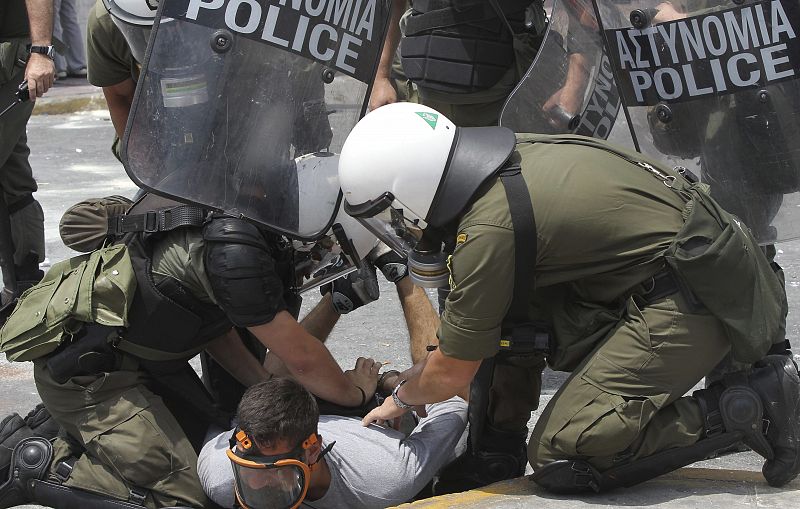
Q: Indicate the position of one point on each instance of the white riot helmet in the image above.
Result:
(345, 245)
(405, 170)
(134, 18)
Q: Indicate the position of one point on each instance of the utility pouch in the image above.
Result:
(13, 57)
(716, 256)
(97, 287)
(90, 351)
(526, 339)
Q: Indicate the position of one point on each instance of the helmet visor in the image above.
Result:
(392, 226)
(265, 484)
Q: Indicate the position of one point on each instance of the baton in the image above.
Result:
(22, 96)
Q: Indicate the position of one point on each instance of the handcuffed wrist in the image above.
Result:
(382, 379)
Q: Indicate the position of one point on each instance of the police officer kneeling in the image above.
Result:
(107, 331)
(641, 282)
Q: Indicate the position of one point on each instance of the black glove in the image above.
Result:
(393, 266)
(354, 290)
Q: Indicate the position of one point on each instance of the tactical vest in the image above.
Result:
(166, 321)
(461, 46)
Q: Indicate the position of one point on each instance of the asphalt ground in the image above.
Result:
(72, 160)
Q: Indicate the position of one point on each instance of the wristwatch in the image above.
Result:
(43, 50)
(396, 398)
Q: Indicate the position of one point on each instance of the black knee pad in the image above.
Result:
(742, 411)
(30, 461)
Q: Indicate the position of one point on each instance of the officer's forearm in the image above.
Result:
(392, 40)
(441, 378)
(307, 359)
(421, 319)
(40, 19)
(229, 351)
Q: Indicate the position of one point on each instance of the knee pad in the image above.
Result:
(742, 411)
(30, 461)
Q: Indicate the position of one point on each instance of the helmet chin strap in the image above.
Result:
(315, 466)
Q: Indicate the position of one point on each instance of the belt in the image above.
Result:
(658, 286)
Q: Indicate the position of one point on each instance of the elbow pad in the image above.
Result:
(242, 272)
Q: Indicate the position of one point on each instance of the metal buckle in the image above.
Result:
(584, 477)
(137, 495)
(151, 218)
(63, 471)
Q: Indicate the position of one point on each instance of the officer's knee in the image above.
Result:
(602, 429)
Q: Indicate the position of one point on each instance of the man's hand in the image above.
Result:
(40, 73)
(41, 70)
(365, 375)
(667, 12)
(383, 93)
(390, 413)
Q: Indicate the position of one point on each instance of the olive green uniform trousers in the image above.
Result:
(16, 175)
(131, 439)
(625, 401)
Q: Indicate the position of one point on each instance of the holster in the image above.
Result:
(90, 351)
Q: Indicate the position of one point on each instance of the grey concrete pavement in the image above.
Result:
(684, 489)
(72, 161)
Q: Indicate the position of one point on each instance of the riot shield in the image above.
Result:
(712, 85)
(233, 92)
(570, 87)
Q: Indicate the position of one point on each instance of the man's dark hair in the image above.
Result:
(278, 409)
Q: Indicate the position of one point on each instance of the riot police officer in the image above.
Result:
(27, 54)
(157, 298)
(631, 293)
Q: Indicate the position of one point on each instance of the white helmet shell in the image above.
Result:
(134, 12)
(400, 148)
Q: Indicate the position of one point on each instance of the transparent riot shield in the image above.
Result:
(712, 85)
(570, 86)
(233, 93)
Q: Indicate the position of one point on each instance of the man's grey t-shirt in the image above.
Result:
(371, 468)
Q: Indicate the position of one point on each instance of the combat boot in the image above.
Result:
(775, 379)
(501, 455)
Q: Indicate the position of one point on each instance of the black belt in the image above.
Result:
(659, 286)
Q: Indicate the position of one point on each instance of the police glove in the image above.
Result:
(354, 290)
(393, 266)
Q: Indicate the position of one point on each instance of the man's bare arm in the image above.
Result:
(40, 71)
(119, 98)
(310, 363)
(319, 322)
(421, 319)
(229, 351)
(383, 92)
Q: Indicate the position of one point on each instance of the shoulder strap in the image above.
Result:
(525, 242)
(158, 220)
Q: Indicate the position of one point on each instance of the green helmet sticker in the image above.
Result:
(430, 118)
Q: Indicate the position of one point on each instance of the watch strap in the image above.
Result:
(42, 50)
(396, 398)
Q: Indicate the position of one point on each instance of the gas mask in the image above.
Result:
(277, 481)
(409, 236)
